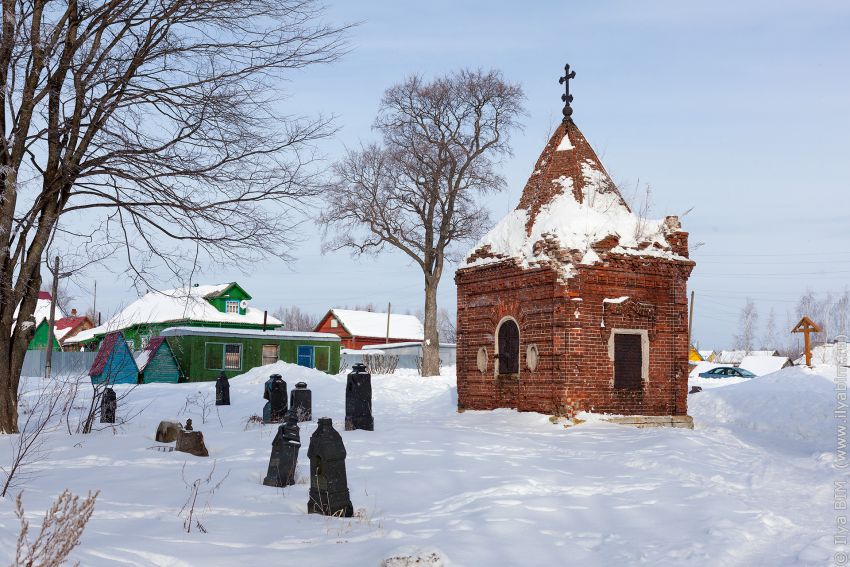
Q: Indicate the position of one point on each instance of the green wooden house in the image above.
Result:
(204, 352)
(157, 363)
(215, 306)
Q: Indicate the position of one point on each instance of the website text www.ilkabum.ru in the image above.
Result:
(839, 485)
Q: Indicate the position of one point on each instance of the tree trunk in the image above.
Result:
(431, 346)
(10, 372)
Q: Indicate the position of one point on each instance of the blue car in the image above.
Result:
(727, 372)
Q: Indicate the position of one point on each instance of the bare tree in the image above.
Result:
(150, 124)
(448, 326)
(294, 319)
(417, 190)
(747, 322)
(40, 415)
(770, 340)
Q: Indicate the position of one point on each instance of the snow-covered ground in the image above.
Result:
(750, 485)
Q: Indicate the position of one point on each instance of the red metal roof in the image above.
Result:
(103, 353)
(45, 295)
(70, 322)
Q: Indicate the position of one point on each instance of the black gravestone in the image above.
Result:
(222, 390)
(275, 393)
(328, 482)
(284, 457)
(358, 399)
(301, 402)
(108, 406)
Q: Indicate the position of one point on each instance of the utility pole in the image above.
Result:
(48, 356)
(389, 310)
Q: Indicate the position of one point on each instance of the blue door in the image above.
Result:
(305, 356)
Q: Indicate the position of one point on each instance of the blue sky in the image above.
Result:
(740, 110)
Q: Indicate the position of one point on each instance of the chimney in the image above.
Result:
(73, 312)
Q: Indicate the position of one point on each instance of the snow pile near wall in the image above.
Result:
(791, 410)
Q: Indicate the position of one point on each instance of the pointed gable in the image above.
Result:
(572, 213)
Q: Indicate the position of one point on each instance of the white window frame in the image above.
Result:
(224, 354)
(334, 323)
(228, 303)
(644, 351)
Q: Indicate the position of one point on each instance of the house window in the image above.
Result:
(231, 307)
(628, 361)
(334, 323)
(232, 357)
(215, 356)
(322, 358)
(143, 341)
(269, 354)
(508, 343)
(131, 344)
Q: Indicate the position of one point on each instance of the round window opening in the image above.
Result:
(532, 357)
(481, 359)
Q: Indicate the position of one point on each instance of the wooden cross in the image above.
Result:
(807, 326)
(567, 97)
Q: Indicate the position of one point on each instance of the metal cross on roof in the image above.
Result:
(567, 97)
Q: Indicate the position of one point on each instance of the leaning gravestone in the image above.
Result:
(191, 442)
(167, 431)
(284, 457)
(358, 399)
(328, 482)
(275, 392)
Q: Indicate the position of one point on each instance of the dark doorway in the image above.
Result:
(508, 348)
(628, 361)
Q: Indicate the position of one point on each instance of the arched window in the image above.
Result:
(508, 347)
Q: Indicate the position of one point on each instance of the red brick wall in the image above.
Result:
(575, 371)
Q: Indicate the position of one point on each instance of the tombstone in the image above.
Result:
(358, 399)
(284, 457)
(275, 392)
(222, 390)
(191, 442)
(108, 406)
(167, 431)
(301, 402)
(328, 483)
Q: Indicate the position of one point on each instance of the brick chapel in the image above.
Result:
(573, 302)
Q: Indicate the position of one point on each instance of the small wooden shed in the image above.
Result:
(157, 363)
(114, 362)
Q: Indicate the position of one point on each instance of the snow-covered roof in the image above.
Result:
(705, 354)
(175, 305)
(371, 324)
(247, 333)
(571, 213)
(761, 365)
(736, 356)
